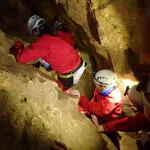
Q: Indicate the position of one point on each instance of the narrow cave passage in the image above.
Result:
(112, 35)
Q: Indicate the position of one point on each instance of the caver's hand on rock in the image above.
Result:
(75, 92)
(16, 47)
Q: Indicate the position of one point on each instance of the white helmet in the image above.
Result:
(35, 22)
(105, 77)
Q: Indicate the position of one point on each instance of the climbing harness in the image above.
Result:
(71, 73)
(67, 80)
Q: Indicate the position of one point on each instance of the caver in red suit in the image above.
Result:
(105, 104)
(128, 124)
(56, 50)
(141, 121)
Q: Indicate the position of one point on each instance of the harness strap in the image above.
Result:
(70, 74)
(65, 76)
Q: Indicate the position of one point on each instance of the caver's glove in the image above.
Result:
(46, 65)
(16, 46)
(56, 25)
(60, 26)
(37, 65)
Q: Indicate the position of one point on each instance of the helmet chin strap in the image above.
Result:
(106, 91)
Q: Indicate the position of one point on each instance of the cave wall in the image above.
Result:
(113, 29)
(114, 32)
(35, 114)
